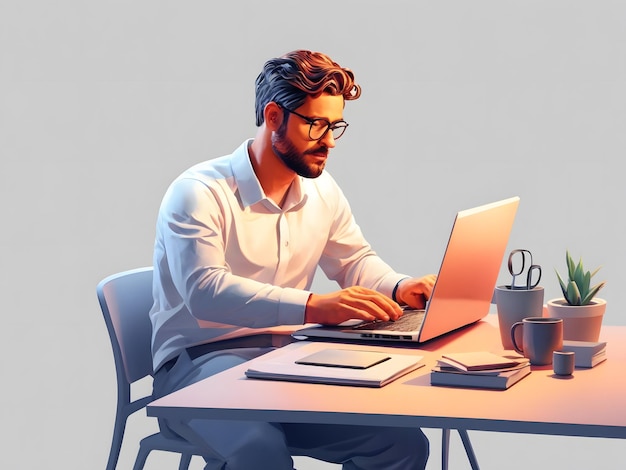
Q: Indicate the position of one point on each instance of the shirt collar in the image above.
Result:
(249, 187)
(250, 190)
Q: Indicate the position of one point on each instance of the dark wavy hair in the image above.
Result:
(289, 79)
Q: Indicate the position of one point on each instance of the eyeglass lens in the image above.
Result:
(319, 127)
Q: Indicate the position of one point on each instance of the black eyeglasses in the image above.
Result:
(320, 126)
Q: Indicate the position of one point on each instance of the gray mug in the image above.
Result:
(541, 336)
(513, 305)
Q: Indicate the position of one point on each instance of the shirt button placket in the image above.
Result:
(283, 250)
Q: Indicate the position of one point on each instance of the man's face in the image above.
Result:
(291, 142)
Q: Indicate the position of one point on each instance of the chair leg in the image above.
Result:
(185, 460)
(142, 456)
(445, 448)
(469, 450)
(116, 442)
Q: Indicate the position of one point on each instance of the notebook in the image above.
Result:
(464, 288)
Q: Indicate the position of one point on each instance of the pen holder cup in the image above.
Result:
(513, 305)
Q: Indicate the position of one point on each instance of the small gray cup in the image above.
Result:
(563, 362)
(513, 305)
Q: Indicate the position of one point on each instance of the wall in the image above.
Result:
(102, 104)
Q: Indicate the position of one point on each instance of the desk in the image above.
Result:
(591, 403)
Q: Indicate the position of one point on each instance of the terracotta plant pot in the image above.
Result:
(580, 322)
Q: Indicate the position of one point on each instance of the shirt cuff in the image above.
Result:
(395, 289)
(292, 306)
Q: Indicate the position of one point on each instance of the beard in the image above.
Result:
(294, 160)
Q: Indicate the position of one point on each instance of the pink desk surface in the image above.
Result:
(590, 403)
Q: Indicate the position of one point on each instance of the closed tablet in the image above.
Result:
(344, 358)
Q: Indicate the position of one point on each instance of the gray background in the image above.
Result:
(102, 104)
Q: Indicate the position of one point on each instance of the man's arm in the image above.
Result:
(349, 259)
(193, 227)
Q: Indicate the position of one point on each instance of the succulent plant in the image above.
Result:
(578, 289)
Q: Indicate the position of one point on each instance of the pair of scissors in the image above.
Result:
(518, 260)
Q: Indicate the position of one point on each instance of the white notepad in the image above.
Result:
(360, 368)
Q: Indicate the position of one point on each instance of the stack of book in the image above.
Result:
(586, 353)
(480, 369)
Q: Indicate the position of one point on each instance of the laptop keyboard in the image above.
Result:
(411, 320)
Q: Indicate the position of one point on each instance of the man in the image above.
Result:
(237, 245)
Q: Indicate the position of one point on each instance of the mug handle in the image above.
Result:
(513, 328)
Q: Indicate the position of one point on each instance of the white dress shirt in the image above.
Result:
(230, 262)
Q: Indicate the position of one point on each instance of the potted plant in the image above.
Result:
(582, 312)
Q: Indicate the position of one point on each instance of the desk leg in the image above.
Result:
(445, 448)
(469, 450)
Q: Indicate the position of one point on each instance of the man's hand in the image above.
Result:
(414, 292)
(353, 302)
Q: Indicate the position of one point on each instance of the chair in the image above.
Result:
(125, 299)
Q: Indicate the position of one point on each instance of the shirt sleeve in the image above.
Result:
(350, 260)
(191, 225)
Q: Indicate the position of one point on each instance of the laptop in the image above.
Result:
(464, 287)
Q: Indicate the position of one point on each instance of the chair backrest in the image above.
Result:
(126, 299)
